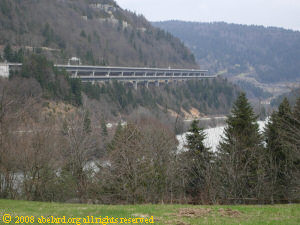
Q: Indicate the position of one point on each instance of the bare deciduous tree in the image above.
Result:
(142, 165)
(82, 140)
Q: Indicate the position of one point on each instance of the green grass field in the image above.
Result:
(33, 212)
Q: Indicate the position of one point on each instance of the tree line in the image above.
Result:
(249, 166)
(73, 157)
(208, 96)
(214, 96)
(67, 153)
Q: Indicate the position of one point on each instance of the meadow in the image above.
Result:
(25, 212)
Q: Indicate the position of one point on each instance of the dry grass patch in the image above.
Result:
(192, 213)
(229, 212)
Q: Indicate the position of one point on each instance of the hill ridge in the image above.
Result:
(269, 54)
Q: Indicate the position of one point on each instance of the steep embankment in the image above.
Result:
(97, 31)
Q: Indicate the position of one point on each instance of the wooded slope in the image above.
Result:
(267, 54)
(97, 31)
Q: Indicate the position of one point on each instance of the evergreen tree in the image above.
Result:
(48, 34)
(87, 122)
(274, 156)
(242, 131)
(195, 139)
(282, 163)
(239, 151)
(200, 158)
(20, 56)
(104, 127)
(75, 84)
(8, 53)
(296, 110)
(116, 137)
(284, 109)
(83, 34)
(130, 97)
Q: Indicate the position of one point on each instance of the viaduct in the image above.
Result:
(134, 75)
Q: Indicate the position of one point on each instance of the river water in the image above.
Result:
(213, 137)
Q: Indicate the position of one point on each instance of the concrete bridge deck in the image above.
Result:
(127, 74)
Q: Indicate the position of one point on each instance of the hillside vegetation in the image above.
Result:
(97, 31)
(268, 54)
(207, 96)
(50, 122)
(56, 144)
(214, 96)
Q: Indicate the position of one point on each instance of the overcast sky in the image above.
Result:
(278, 13)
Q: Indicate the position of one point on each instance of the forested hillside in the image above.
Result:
(291, 96)
(56, 146)
(97, 31)
(117, 100)
(53, 127)
(268, 54)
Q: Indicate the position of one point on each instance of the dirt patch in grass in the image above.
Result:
(190, 212)
(229, 212)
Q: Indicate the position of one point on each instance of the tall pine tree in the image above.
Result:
(239, 151)
(200, 157)
(195, 139)
(281, 152)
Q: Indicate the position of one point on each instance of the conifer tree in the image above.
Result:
(284, 109)
(242, 131)
(104, 127)
(200, 158)
(87, 122)
(196, 138)
(116, 137)
(296, 110)
(8, 53)
(281, 148)
(239, 151)
(293, 129)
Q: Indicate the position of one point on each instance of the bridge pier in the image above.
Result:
(135, 84)
(147, 84)
(157, 83)
(4, 70)
(74, 73)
